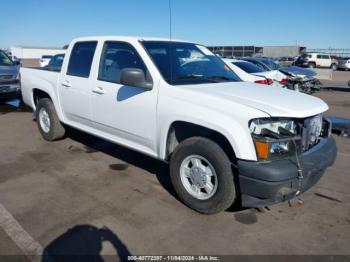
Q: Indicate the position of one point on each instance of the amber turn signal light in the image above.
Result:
(262, 149)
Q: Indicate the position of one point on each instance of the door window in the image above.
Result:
(117, 56)
(81, 59)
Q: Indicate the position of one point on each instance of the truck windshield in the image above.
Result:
(186, 63)
(5, 60)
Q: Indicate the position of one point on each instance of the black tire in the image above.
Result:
(56, 129)
(225, 193)
(312, 65)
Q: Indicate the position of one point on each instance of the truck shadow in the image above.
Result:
(94, 144)
(8, 107)
(85, 243)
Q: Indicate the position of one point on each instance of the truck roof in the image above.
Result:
(125, 38)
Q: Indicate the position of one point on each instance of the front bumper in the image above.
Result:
(263, 184)
(344, 66)
(10, 91)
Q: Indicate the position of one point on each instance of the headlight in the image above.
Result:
(275, 139)
(258, 126)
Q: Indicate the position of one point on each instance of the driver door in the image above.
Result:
(125, 113)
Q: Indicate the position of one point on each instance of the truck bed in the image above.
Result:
(38, 78)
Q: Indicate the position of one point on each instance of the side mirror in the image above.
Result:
(135, 77)
(17, 62)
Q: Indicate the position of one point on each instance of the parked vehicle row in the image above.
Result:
(226, 141)
(292, 77)
(251, 73)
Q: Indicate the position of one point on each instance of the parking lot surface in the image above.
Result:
(83, 195)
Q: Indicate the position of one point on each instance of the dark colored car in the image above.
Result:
(55, 63)
(10, 86)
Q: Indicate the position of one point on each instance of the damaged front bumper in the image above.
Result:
(267, 183)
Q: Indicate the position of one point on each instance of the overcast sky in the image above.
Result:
(312, 23)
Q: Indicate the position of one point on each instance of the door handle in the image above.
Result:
(66, 84)
(98, 90)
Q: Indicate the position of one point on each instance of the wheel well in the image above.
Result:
(180, 131)
(39, 94)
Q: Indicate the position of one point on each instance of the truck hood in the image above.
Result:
(276, 102)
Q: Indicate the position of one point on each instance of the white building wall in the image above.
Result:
(33, 53)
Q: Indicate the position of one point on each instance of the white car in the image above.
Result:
(344, 64)
(226, 140)
(44, 60)
(251, 73)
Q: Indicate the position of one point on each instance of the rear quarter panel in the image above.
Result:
(46, 81)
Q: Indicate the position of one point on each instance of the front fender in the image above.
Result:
(235, 130)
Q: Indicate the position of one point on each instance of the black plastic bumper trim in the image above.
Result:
(263, 184)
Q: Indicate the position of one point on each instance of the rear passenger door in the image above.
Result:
(327, 61)
(75, 83)
(125, 114)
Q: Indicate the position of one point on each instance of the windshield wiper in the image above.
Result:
(214, 79)
(195, 77)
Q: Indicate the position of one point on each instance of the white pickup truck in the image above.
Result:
(226, 140)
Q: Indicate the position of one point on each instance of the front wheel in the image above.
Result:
(202, 175)
(334, 67)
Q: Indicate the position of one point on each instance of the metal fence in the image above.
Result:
(342, 52)
(237, 51)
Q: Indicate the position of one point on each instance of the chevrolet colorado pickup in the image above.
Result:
(226, 141)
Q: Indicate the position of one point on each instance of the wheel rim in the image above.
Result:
(198, 177)
(44, 120)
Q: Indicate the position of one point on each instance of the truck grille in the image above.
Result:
(8, 82)
(6, 77)
(312, 131)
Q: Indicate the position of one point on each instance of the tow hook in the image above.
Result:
(295, 202)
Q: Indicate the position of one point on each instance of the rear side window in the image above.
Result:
(248, 67)
(117, 56)
(81, 59)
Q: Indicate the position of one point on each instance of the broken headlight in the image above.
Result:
(259, 126)
(275, 138)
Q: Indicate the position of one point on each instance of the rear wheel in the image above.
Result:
(202, 175)
(334, 67)
(48, 122)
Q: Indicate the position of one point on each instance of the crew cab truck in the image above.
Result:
(225, 140)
